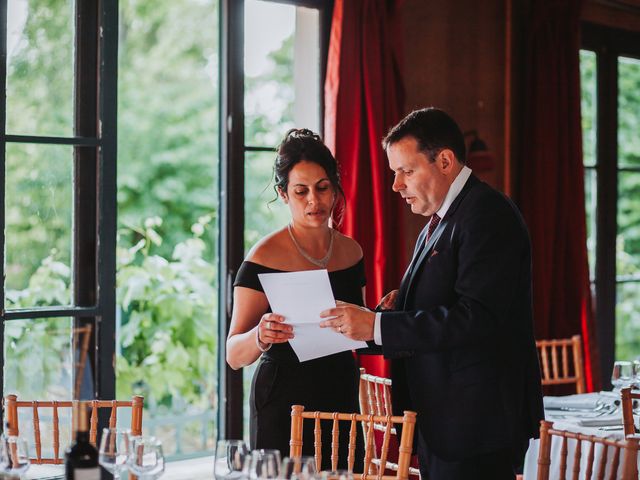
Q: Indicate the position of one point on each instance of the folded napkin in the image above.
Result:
(581, 401)
(601, 421)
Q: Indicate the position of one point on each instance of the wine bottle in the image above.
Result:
(81, 458)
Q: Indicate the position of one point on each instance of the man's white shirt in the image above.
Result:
(452, 194)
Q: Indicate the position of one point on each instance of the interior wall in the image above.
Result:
(454, 59)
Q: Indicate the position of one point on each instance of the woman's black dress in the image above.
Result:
(328, 384)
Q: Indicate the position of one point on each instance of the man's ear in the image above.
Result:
(283, 195)
(447, 160)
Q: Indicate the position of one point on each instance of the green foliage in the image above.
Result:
(168, 117)
(37, 352)
(167, 337)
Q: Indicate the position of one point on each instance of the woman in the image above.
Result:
(307, 180)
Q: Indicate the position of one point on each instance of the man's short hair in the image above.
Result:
(434, 131)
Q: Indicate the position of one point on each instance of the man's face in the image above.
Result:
(423, 184)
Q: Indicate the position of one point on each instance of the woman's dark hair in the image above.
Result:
(301, 144)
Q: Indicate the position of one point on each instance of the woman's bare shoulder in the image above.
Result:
(351, 251)
(270, 250)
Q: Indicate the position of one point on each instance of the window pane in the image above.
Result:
(590, 193)
(264, 210)
(38, 215)
(167, 211)
(628, 112)
(282, 71)
(588, 105)
(40, 63)
(37, 359)
(628, 239)
(628, 321)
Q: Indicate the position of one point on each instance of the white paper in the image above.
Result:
(300, 297)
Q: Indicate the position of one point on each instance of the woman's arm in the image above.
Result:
(249, 322)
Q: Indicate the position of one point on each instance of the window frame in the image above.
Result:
(94, 209)
(608, 44)
(232, 188)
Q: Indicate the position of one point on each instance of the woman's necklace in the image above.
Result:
(320, 262)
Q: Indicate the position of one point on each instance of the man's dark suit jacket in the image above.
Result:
(462, 337)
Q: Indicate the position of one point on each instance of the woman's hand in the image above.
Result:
(272, 329)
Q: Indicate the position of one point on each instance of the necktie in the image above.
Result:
(433, 223)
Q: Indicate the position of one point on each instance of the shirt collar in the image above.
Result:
(454, 190)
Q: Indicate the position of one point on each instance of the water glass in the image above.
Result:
(622, 374)
(339, 475)
(231, 461)
(636, 372)
(14, 455)
(298, 468)
(264, 464)
(145, 457)
(114, 450)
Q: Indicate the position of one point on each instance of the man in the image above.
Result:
(460, 333)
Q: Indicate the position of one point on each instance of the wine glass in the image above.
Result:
(231, 460)
(146, 459)
(114, 450)
(622, 374)
(298, 468)
(14, 455)
(264, 464)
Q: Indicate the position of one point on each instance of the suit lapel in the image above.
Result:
(416, 253)
(422, 254)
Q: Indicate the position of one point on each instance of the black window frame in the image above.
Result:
(94, 191)
(608, 44)
(232, 151)
(95, 187)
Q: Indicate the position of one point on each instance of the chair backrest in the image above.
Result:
(408, 421)
(13, 406)
(375, 399)
(561, 362)
(628, 397)
(604, 468)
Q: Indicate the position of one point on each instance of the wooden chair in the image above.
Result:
(603, 469)
(81, 340)
(408, 421)
(628, 396)
(13, 407)
(375, 399)
(565, 356)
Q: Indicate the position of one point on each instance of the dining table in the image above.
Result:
(598, 414)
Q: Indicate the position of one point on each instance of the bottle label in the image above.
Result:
(86, 473)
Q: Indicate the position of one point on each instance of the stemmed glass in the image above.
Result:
(298, 468)
(14, 455)
(231, 460)
(264, 464)
(114, 450)
(145, 457)
(622, 374)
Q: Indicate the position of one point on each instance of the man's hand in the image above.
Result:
(352, 321)
(388, 302)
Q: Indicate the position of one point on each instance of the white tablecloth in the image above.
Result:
(571, 420)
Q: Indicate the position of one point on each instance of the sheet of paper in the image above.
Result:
(300, 297)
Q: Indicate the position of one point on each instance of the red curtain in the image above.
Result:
(552, 178)
(363, 99)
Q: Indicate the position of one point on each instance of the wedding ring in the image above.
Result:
(269, 326)
(340, 328)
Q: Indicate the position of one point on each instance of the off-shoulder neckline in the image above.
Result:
(288, 271)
